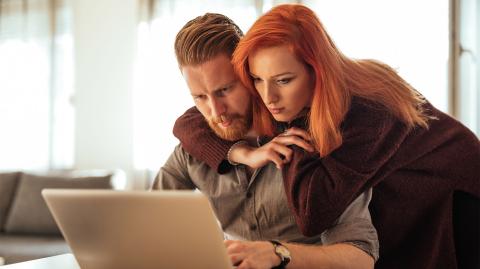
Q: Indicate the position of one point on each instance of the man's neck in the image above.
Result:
(251, 137)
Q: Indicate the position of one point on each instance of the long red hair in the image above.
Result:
(337, 77)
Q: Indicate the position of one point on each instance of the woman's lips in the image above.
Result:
(276, 110)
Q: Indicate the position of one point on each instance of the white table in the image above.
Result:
(64, 261)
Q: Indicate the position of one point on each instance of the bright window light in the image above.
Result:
(409, 35)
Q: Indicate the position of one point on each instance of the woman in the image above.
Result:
(369, 127)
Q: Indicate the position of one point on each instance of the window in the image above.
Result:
(466, 53)
(161, 94)
(36, 84)
(410, 36)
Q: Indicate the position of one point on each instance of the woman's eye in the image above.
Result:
(284, 80)
(256, 80)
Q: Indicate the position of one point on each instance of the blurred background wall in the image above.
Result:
(93, 84)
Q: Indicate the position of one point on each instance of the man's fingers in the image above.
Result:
(236, 251)
(245, 264)
(229, 242)
(234, 246)
(237, 258)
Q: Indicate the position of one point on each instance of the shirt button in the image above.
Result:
(253, 227)
(249, 195)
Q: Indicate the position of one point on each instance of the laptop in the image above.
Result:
(139, 229)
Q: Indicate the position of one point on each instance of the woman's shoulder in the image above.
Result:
(365, 113)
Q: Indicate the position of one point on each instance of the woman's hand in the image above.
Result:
(252, 254)
(276, 151)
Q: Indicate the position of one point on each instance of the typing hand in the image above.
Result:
(252, 254)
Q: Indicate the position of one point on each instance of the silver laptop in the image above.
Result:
(139, 229)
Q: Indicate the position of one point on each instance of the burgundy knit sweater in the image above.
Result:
(426, 183)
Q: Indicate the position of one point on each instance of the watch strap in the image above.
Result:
(283, 260)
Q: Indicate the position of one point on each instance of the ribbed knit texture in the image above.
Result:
(206, 146)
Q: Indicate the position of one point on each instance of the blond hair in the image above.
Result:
(205, 37)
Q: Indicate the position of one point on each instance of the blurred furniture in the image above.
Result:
(64, 261)
(27, 229)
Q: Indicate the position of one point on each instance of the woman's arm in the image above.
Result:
(319, 189)
(201, 142)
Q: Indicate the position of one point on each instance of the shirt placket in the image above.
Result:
(250, 201)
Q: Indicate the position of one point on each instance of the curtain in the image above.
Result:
(35, 84)
(468, 88)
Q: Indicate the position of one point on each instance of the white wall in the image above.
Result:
(104, 40)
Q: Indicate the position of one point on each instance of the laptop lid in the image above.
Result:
(138, 229)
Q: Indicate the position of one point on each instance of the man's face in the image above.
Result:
(220, 97)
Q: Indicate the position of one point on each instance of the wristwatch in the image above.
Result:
(282, 252)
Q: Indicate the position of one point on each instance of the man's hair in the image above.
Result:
(205, 37)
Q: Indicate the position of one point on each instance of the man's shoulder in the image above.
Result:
(181, 154)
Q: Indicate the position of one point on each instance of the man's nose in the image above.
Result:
(217, 107)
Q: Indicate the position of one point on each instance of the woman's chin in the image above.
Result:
(282, 118)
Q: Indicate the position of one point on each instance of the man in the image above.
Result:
(251, 205)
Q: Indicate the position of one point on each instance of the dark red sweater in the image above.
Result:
(424, 181)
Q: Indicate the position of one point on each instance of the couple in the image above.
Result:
(350, 136)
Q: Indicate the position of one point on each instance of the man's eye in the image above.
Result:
(198, 97)
(221, 92)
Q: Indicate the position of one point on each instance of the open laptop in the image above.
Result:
(139, 229)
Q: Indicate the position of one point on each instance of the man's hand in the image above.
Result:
(276, 151)
(252, 254)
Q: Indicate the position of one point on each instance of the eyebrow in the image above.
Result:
(226, 85)
(275, 76)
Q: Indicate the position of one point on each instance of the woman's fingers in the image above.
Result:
(298, 132)
(294, 140)
(276, 157)
(284, 151)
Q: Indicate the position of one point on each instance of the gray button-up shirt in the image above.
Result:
(256, 208)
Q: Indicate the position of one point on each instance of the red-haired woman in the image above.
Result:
(370, 129)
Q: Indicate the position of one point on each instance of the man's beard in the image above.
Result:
(239, 126)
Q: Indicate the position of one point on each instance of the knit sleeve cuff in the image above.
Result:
(214, 154)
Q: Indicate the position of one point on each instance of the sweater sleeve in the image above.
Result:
(320, 189)
(199, 140)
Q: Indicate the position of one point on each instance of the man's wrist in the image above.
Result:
(282, 252)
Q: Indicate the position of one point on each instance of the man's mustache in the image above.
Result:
(220, 119)
(224, 118)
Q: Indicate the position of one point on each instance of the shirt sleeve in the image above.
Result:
(319, 189)
(199, 140)
(355, 227)
(174, 173)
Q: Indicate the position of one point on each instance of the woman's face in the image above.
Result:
(283, 82)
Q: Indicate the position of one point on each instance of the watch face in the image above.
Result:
(282, 250)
